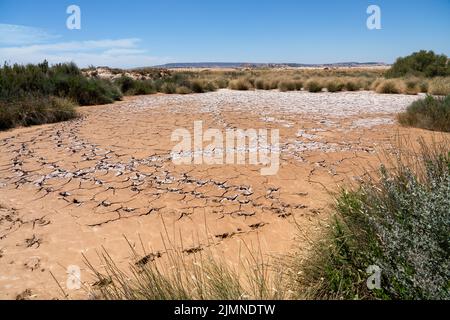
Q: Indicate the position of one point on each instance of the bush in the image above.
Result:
(423, 86)
(91, 91)
(168, 88)
(284, 86)
(183, 90)
(398, 221)
(412, 86)
(36, 94)
(35, 109)
(260, 84)
(429, 113)
(142, 87)
(334, 85)
(440, 86)
(240, 84)
(61, 80)
(313, 86)
(126, 84)
(221, 83)
(352, 85)
(298, 85)
(390, 86)
(422, 63)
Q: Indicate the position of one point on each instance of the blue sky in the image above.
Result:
(130, 33)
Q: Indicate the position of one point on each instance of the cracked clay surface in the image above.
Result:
(70, 188)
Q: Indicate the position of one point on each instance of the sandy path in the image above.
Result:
(70, 188)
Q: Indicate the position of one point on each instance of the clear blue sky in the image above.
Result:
(151, 32)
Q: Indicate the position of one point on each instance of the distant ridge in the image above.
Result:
(267, 65)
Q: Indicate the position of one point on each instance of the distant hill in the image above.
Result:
(268, 65)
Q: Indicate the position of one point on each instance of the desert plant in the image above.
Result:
(422, 63)
(423, 86)
(398, 220)
(313, 85)
(284, 86)
(412, 86)
(390, 86)
(260, 84)
(334, 85)
(298, 84)
(33, 109)
(240, 84)
(60, 80)
(183, 90)
(429, 113)
(440, 86)
(168, 88)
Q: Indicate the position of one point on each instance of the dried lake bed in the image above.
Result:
(69, 188)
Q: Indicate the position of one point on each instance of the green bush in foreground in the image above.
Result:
(430, 113)
(399, 221)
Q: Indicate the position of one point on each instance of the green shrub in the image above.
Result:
(240, 84)
(126, 84)
(142, 87)
(209, 86)
(399, 221)
(429, 113)
(313, 86)
(91, 91)
(61, 80)
(422, 63)
(221, 83)
(168, 88)
(335, 85)
(352, 85)
(183, 90)
(260, 84)
(423, 86)
(33, 110)
(284, 86)
(298, 85)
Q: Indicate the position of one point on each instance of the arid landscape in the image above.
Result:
(71, 188)
(224, 158)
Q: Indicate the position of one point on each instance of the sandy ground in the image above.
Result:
(68, 189)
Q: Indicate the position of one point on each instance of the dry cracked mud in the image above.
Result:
(69, 188)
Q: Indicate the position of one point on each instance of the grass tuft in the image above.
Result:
(313, 85)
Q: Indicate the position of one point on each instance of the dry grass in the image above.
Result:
(390, 86)
(440, 86)
(314, 85)
(240, 84)
(179, 274)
